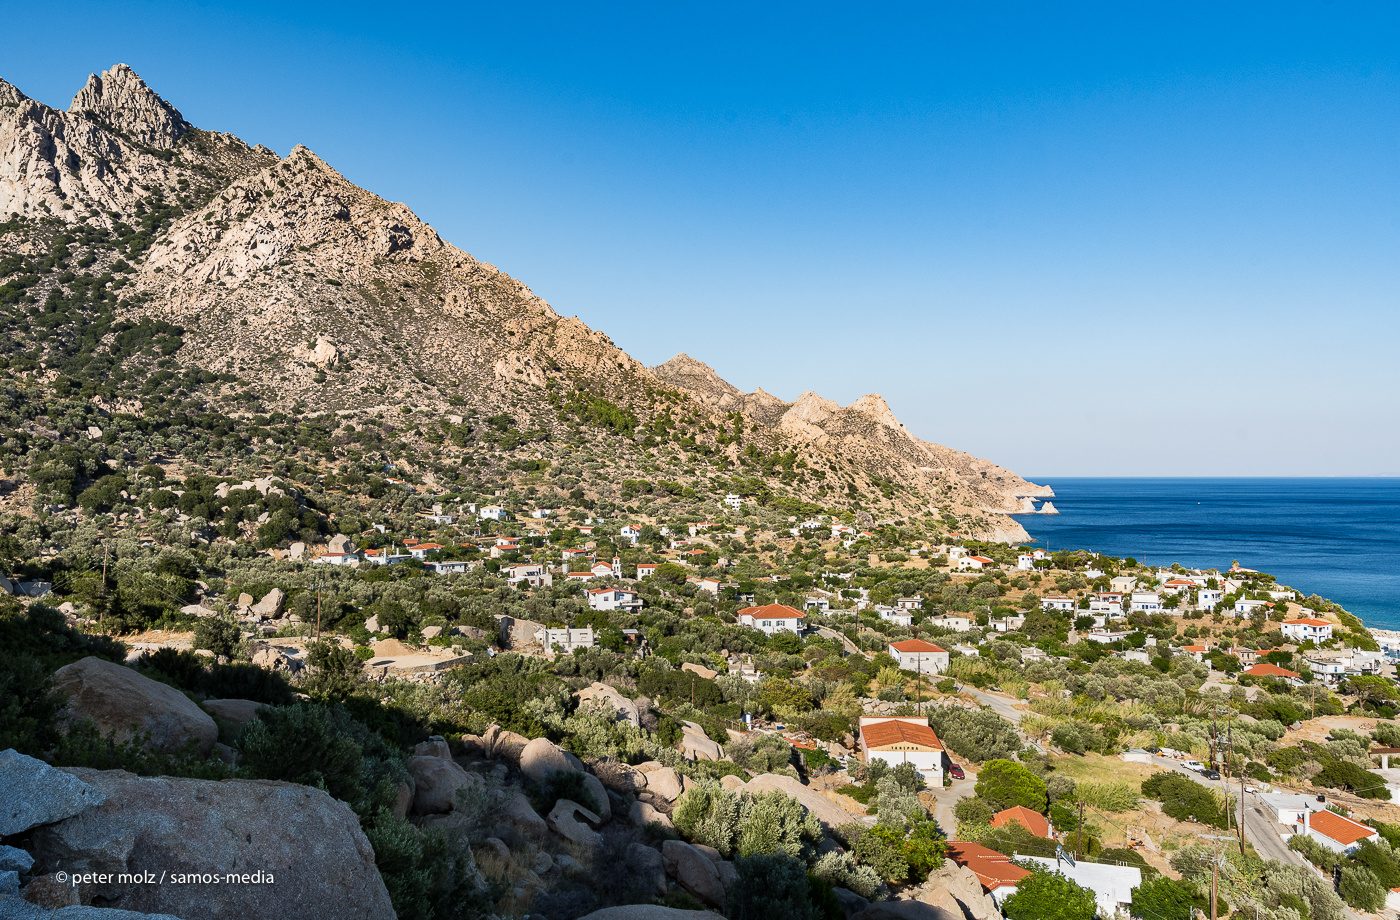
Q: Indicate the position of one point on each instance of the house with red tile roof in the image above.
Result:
(1032, 821)
(903, 739)
(1304, 629)
(1273, 670)
(1334, 831)
(998, 875)
(919, 656)
(772, 618)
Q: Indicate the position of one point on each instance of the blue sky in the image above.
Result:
(1085, 241)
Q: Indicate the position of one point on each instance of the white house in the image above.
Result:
(772, 618)
(1209, 598)
(1007, 624)
(1146, 602)
(1111, 883)
(977, 563)
(919, 656)
(911, 603)
(903, 740)
(532, 573)
(1245, 607)
(1104, 635)
(421, 550)
(646, 569)
(1025, 563)
(493, 513)
(1057, 602)
(541, 513)
(1123, 584)
(734, 501)
(1288, 809)
(895, 615)
(631, 533)
(1335, 832)
(614, 599)
(950, 621)
(338, 558)
(566, 640)
(450, 567)
(1306, 629)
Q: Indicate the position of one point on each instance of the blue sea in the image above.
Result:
(1337, 538)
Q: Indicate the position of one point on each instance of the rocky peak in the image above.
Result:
(697, 376)
(121, 99)
(874, 405)
(9, 93)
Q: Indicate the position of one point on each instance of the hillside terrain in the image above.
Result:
(147, 260)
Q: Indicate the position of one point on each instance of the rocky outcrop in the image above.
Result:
(436, 782)
(648, 866)
(603, 695)
(564, 820)
(666, 783)
(962, 885)
(32, 793)
(823, 809)
(270, 607)
(122, 100)
(121, 702)
(310, 845)
(694, 871)
(541, 758)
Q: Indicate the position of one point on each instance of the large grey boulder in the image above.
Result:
(649, 912)
(647, 865)
(564, 820)
(436, 782)
(666, 783)
(120, 701)
(699, 746)
(320, 864)
(13, 859)
(851, 903)
(522, 814)
(541, 758)
(823, 809)
(271, 605)
(33, 793)
(609, 697)
(962, 885)
(600, 795)
(619, 777)
(238, 712)
(694, 871)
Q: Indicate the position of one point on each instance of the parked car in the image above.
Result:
(1211, 774)
(1195, 766)
(956, 772)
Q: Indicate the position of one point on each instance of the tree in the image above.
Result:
(1161, 898)
(771, 886)
(1360, 888)
(1045, 895)
(979, 736)
(1005, 784)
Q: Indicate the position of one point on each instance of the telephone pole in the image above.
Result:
(103, 611)
(1079, 844)
(1215, 862)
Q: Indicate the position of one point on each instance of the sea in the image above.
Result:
(1338, 538)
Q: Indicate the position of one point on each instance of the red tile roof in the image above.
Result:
(1343, 830)
(772, 612)
(994, 870)
(1030, 820)
(916, 645)
(1306, 621)
(893, 731)
(1269, 670)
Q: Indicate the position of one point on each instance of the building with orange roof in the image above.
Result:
(772, 618)
(1032, 821)
(1273, 670)
(1334, 831)
(919, 656)
(903, 739)
(998, 875)
(1305, 629)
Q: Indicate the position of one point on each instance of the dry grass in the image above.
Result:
(1096, 768)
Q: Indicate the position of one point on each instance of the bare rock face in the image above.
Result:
(694, 871)
(823, 809)
(121, 701)
(903, 910)
(122, 100)
(33, 793)
(435, 784)
(271, 605)
(564, 820)
(666, 783)
(541, 759)
(321, 865)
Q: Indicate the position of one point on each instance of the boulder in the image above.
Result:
(509, 746)
(563, 820)
(728, 873)
(403, 799)
(435, 784)
(271, 658)
(49, 893)
(731, 782)
(33, 793)
(239, 712)
(320, 863)
(694, 871)
(943, 900)
(431, 632)
(245, 601)
(647, 865)
(619, 777)
(122, 702)
(271, 605)
(699, 746)
(962, 883)
(649, 912)
(851, 903)
(296, 551)
(435, 746)
(523, 815)
(904, 910)
(609, 697)
(198, 610)
(665, 783)
(372, 624)
(699, 669)
(823, 809)
(541, 758)
(643, 814)
(600, 795)
(13, 859)
(340, 543)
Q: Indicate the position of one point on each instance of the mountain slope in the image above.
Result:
(277, 284)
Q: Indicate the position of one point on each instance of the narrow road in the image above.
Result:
(827, 632)
(1261, 830)
(946, 798)
(1001, 705)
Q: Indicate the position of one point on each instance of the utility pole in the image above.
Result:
(318, 612)
(1215, 869)
(102, 612)
(1079, 844)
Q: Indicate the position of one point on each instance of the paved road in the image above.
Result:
(946, 798)
(1001, 705)
(1261, 829)
(846, 643)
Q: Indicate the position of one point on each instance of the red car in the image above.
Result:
(956, 771)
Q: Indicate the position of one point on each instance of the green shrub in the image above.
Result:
(1340, 774)
(1004, 784)
(1161, 898)
(1185, 800)
(771, 886)
(978, 736)
(1044, 895)
(1360, 888)
(1111, 797)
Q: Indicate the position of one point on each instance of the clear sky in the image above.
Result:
(1094, 240)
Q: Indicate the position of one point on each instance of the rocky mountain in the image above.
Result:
(279, 276)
